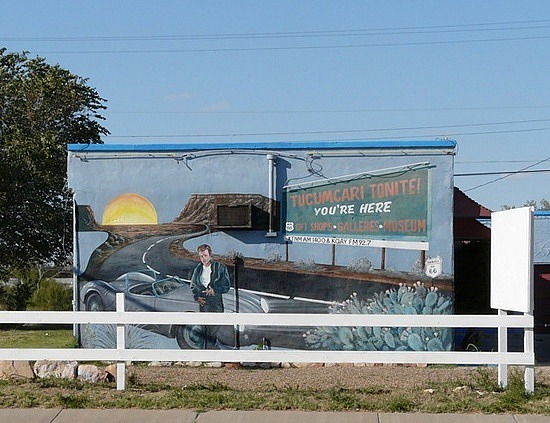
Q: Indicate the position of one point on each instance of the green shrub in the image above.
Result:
(51, 296)
(17, 287)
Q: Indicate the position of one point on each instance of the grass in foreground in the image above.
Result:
(26, 337)
(475, 394)
(478, 395)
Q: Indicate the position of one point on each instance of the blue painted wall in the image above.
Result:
(168, 175)
(541, 223)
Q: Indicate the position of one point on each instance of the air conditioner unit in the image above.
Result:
(234, 216)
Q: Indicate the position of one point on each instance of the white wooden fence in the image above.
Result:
(121, 355)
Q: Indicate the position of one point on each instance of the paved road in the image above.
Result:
(35, 415)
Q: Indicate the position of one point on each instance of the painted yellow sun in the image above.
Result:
(129, 209)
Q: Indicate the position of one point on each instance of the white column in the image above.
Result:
(271, 193)
(502, 347)
(120, 345)
(529, 347)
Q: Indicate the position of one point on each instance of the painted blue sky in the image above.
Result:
(249, 71)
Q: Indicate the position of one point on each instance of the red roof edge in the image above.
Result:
(464, 206)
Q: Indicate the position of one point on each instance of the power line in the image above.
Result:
(297, 111)
(508, 175)
(349, 131)
(473, 27)
(290, 48)
(378, 138)
(446, 135)
(491, 161)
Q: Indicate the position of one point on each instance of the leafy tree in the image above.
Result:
(17, 294)
(42, 109)
(542, 205)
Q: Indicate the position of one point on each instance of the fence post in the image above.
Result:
(120, 345)
(237, 261)
(502, 342)
(529, 347)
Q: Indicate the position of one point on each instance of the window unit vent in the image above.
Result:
(234, 216)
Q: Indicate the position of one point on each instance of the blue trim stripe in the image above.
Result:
(328, 145)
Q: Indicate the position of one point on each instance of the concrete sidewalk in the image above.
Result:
(41, 415)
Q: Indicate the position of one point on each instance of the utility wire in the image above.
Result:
(474, 27)
(446, 135)
(491, 161)
(346, 131)
(267, 112)
(378, 138)
(290, 48)
(508, 175)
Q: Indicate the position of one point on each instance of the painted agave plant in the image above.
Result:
(415, 299)
(105, 336)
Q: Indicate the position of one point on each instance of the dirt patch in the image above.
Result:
(324, 377)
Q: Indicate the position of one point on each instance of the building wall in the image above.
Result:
(165, 177)
(541, 223)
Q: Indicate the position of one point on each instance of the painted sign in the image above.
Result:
(362, 209)
(512, 274)
(433, 267)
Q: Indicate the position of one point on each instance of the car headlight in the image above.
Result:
(264, 305)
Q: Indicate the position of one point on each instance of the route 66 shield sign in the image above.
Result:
(433, 267)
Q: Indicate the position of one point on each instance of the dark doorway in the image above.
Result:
(472, 277)
(542, 299)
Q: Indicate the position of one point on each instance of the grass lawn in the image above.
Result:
(477, 392)
(29, 337)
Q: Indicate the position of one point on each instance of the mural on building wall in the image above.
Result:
(153, 264)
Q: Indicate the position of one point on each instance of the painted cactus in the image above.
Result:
(416, 299)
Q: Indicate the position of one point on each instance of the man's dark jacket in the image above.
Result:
(219, 282)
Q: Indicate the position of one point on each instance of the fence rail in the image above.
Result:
(261, 319)
(120, 318)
